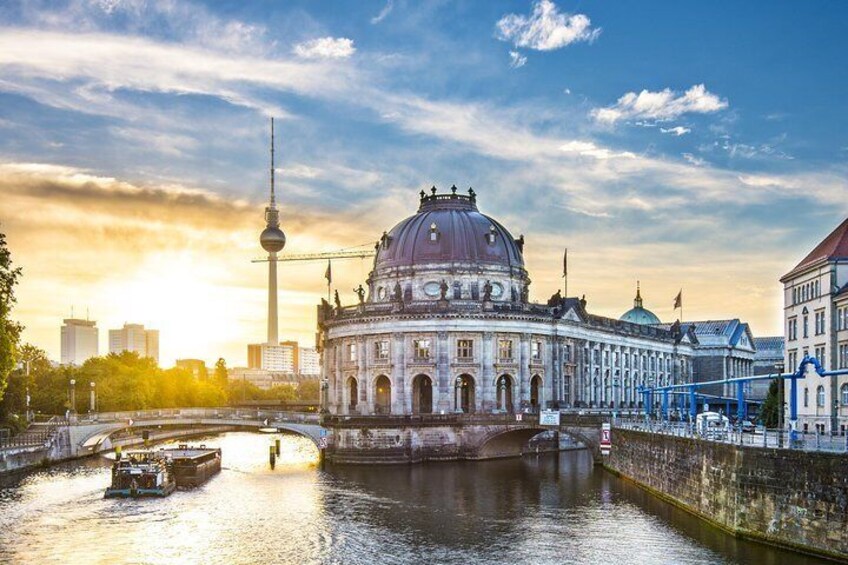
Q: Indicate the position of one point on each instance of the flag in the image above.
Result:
(565, 263)
(678, 300)
(329, 274)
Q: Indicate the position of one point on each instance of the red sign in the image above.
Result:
(606, 439)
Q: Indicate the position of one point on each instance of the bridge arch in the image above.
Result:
(511, 442)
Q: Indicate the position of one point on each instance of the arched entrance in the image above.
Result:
(504, 388)
(382, 395)
(464, 399)
(353, 394)
(422, 395)
(536, 392)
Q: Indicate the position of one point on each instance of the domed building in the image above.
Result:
(446, 325)
(639, 314)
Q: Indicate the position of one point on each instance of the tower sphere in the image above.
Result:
(272, 239)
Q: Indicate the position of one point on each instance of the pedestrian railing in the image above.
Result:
(251, 414)
(758, 437)
(41, 434)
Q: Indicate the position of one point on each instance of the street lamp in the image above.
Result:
(92, 406)
(73, 397)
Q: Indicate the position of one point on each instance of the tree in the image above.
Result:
(309, 391)
(34, 362)
(770, 412)
(10, 331)
(221, 376)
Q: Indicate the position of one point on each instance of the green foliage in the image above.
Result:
(770, 412)
(10, 331)
(309, 391)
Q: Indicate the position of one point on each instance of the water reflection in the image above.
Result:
(551, 509)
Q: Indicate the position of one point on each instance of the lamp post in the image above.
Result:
(781, 404)
(92, 399)
(73, 397)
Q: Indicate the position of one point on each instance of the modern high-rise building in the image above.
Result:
(133, 337)
(79, 341)
(309, 362)
(282, 357)
(815, 297)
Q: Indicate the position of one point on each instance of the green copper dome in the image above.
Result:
(638, 314)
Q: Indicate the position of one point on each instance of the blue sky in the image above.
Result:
(688, 145)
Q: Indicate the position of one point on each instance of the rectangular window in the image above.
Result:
(381, 350)
(465, 348)
(819, 353)
(505, 349)
(536, 350)
(422, 348)
(806, 326)
(351, 352)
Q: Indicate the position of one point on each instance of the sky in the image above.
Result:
(695, 146)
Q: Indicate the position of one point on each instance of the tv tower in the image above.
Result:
(273, 240)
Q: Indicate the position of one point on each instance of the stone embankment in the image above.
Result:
(789, 498)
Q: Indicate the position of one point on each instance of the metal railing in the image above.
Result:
(40, 434)
(758, 437)
(251, 414)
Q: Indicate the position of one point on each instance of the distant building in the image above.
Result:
(724, 350)
(79, 341)
(196, 366)
(767, 359)
(309, 362)
(815, 297)
(283, 357)
(133, 337)
(261, 378)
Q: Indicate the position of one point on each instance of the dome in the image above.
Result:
(638, 314)
(448, 228)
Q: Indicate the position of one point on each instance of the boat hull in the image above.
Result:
(159, 492)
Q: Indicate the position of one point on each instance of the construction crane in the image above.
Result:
(348, 253)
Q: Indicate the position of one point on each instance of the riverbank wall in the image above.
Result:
(788, 498)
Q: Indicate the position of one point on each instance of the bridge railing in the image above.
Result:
(759, 437)
(41, 434)
(252, 414)
(434, 419)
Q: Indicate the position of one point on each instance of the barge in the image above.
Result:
(193, 466)
(159, 473)
(141, 474)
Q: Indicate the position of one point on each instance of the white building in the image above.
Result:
(309, 362)
(133, 337)
(79, 341)
(280, 357)
(447, 326)
(816, 323)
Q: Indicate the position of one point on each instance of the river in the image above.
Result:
(545, 509)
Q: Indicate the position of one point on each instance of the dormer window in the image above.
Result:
(434, 232)
(490, 237)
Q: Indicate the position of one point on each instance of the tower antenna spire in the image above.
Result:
(272, 162)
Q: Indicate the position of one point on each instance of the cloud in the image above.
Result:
(589, 149)
(516, 60)
(676, 131)
(663, 105)
(325, 48)
(692, 159)
(390, 4)
(546, 28)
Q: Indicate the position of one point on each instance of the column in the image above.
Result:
(523, 372)
(442, 400)
(484, 387)
(400, 386)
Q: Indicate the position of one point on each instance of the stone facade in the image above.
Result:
(447, 327)
(796, 499)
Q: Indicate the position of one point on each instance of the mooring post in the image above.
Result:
(272, 456)
(277, 445)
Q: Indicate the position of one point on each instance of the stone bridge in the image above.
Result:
(347, 439)
(447, 437)
(94, 434)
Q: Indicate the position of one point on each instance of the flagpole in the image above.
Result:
(565, 273)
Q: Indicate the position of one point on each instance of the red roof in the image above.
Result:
(833, 246)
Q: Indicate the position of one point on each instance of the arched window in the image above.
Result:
(844, 390)
(820, 396)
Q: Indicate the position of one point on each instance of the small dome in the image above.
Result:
(639, 314)
(448, 228)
